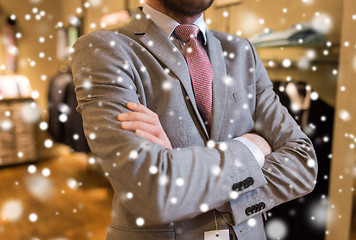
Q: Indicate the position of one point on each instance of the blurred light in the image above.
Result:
(12, 210)
(303, 63)
(309, 2)
(31, 169)
(48, 143)
(204, 207)
(39, 187)
(314, 96)
(30, 113)
(72, 183)
(74, 21)
(140, 222)
(276, 229)
(318, 211)
(33, 217)
(6, 125)
(95, 3)
(311, 54)
(286, 63)
(46, 172)
(322, 23)
(344, 115)
(60, 24)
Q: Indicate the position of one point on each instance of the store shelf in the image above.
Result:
(273, 57)
(17, 136)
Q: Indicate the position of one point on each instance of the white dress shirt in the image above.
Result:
(167, 24)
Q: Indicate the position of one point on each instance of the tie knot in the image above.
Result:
(186, 31)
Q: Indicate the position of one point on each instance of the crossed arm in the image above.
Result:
(285, 174)
(146, 124)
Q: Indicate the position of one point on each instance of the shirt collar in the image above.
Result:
(167, 24)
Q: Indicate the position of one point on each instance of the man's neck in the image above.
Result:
(182, 19)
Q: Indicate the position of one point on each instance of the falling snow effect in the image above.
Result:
(38, 182)
(276, 229)
(12, 210)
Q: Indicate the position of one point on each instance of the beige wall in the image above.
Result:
(343, 161)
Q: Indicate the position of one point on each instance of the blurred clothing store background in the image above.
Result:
(51, 186)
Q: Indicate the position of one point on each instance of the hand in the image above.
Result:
(259, 142)
(144, 123)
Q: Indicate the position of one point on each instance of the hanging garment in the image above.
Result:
(65, 123)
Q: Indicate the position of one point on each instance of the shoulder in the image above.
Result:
(113, 42)
(240, 46)
(231, 39)
(105, 36)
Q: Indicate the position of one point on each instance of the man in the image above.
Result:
(187, 127)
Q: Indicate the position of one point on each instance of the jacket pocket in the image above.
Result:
(243, 94)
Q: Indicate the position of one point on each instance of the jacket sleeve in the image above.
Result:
(153, 183)
(291, 169)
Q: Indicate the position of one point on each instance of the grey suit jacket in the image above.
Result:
(175, 201)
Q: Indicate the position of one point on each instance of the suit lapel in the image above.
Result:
(219, 87)
(164, 50)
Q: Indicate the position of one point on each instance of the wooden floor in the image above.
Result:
(72, 203)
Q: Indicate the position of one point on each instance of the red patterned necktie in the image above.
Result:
(201, 72)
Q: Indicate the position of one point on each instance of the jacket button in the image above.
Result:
(246, 184)
(250, 180)
(263, 205)
(238, 186)
(241, 186)
(254, 209)
(248, 211)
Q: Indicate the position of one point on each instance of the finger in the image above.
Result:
(133, 126)
(136, 107)
(149, 137)
(136, 116)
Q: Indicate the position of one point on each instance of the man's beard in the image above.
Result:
(186, 7)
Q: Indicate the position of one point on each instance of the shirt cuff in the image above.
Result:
(256, 151)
